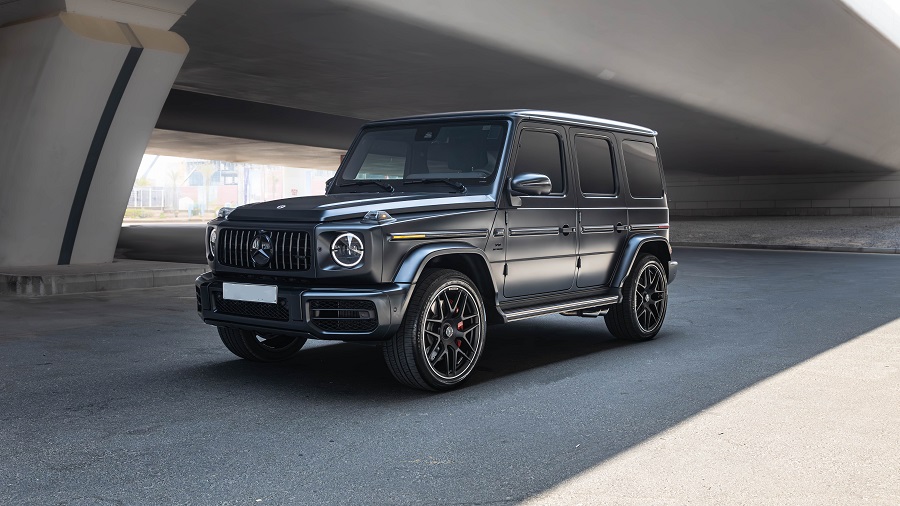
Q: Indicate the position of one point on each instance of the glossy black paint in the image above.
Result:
(528, 254)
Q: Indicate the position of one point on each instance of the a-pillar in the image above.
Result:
(79, 97)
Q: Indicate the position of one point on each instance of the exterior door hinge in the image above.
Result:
(505, 269)
(578, 264)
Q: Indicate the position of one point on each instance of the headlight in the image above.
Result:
(347, 250)
(212, 243)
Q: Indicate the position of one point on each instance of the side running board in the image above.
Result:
(532, 311)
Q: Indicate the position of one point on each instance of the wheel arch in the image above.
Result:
(461, 257)
(636, 245)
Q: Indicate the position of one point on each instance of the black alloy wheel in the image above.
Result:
(442, 335)
(644, 299)
(260, 347)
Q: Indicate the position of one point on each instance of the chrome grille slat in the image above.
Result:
(245, 255)
(290, 250)
(277, 255)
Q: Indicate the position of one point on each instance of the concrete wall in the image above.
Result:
(818, 195)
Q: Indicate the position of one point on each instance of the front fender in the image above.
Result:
(633, 247)
(411, 267)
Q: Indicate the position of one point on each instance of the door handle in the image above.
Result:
(566, 230)
(622, 228)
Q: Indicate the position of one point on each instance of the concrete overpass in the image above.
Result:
(762, 107)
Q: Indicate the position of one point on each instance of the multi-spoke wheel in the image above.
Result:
(260, 347)
(442, 334)
(644, 297)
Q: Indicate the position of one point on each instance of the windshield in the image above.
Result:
(462, 154)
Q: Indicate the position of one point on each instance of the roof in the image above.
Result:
(558, 117)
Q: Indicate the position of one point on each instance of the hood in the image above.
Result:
(344, 206)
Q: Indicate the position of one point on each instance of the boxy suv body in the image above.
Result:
(435, 227)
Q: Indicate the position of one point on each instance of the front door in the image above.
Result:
(541, 236)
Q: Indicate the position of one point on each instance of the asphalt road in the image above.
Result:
(126, 398)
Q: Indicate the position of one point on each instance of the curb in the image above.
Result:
(790, 247)
(37, 285)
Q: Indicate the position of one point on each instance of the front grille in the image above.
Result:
(287, 251)
(259, 310)
(342, 315)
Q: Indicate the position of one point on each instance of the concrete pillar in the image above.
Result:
(80, 98)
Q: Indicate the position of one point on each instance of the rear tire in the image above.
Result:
(442, 334)
(645, 297)
(260, 347)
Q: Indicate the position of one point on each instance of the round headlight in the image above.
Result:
(347, 250)
(212, 242)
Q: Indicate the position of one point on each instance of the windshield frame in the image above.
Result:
(474, 186)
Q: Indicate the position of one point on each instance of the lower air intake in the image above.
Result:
(340, 315)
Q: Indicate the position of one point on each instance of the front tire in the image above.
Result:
(442, 334)
(260, 347)
(645, 297)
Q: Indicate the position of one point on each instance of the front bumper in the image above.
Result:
(344, 314)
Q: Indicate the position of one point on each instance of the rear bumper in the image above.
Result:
(344, 314)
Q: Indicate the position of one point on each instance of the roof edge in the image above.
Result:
(561, 117)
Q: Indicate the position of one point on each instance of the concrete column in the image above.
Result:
(80, 98)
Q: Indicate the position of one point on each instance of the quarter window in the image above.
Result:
(541, 153)
(595, 165)
(642, 167)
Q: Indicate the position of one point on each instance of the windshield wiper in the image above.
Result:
(456, 184)
(384, 186)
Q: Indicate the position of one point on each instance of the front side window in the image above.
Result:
(460, 152)
(642, 167)
(541, 153)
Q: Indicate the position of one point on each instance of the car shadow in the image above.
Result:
(358, 369)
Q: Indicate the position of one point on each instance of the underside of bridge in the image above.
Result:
(762, 107)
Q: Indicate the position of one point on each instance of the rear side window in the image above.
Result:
(540, 153)
(644, 178)
(595, 165)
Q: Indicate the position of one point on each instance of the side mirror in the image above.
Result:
(528, 184)
(531, 184)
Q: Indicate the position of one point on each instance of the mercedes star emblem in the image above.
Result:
(261, 248)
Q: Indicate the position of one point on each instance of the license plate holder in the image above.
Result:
(250, 293)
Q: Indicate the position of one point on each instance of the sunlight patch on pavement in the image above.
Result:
(826, 431)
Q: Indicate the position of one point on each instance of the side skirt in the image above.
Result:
(521, 313)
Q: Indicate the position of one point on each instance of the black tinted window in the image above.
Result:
(642, 169)
(595, 166)
(540, 153)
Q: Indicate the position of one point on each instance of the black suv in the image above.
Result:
(435, 227)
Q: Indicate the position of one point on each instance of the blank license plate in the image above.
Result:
(250, 293)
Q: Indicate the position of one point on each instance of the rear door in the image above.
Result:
(602, 211)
